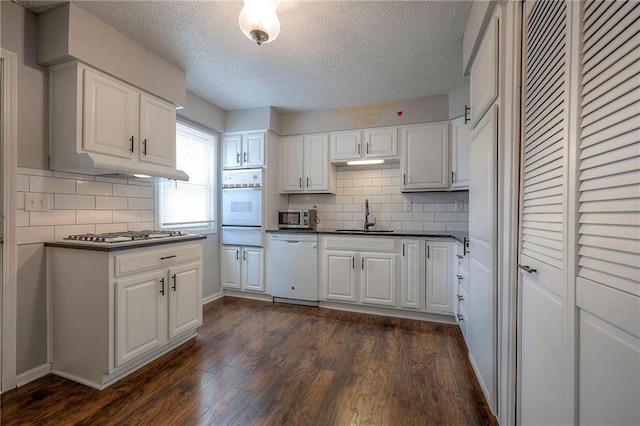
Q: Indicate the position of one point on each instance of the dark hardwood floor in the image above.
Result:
(261, 363)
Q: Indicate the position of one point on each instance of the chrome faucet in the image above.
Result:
(367, 222)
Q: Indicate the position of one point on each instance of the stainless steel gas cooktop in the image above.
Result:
(119, 237)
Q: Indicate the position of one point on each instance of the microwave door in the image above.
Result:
(242, 206)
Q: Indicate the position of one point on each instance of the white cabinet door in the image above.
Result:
(111, 116)
(253, 150)
(378, 278)
(140, 316)
(157, 131)
(381, 143)
(483, 81)
(459, 154)
(185, 295)
(345, 146)
(291, 164)
(440, 277)
(340, 275)
(231, 152)
(252, 269)
(425, 157)
(230, 265)
(410, 274)
(316, 163)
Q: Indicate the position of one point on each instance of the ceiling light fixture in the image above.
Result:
(363, 162)
(258, 20)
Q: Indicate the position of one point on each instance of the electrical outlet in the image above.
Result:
(315, 204)
(36, 202)
(407, 206)
(459, 206)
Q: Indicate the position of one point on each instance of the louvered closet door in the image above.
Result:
(542, 340)
(608, 282)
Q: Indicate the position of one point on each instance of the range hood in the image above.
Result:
(94, 164)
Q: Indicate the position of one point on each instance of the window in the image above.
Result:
(190, 205)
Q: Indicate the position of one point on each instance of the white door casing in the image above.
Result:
(8, 144)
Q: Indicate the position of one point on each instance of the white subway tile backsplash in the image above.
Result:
(33, 172)
(353, 191)
(147, 192)
(52, 217)
(51, 185)
(344, 183)
(423, 217)
(446, 217)
(111, 203)
(362, 182)
(141, 204)
(435, 226)
(371, 190)
(343, 216)
(87, 187)
(402, 217)
(412, 226)
(446, 197)
(335, 207)
(373, 173)
(141, 226)
(93, 216)
(126, 190)
(74, 202)
(457, 226)
(127, 216)
(20, 200)
(147, 216)
(35, 234)
(22, 183)
(111, 227)
(22, 218)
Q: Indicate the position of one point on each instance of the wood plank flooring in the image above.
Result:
(273, 364)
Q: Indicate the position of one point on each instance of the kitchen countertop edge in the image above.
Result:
(109, 247)
(456, 235)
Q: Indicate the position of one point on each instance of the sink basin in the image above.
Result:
(363, 231)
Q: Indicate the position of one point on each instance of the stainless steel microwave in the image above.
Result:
(297, 219)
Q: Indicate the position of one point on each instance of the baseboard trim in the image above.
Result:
(33, 374)
(212, 297)
(249, 295)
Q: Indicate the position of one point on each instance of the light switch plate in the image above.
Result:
(35, 202)
(407, 206)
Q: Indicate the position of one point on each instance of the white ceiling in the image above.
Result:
(328, 54)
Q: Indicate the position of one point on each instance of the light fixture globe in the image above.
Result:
(258, 20)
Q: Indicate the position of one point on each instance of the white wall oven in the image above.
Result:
(242, 207)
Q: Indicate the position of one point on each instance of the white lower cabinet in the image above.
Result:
(378, 278)
(410, 274)
(388, 272)
(440, 288)
(242, 268)
(340, 275)
(112, 311)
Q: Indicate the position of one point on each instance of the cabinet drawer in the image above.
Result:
(150, 258)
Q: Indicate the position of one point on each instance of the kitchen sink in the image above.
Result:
(363, 231)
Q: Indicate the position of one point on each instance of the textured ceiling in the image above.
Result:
(328, 53)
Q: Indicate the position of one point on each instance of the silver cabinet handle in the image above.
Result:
(404, 178)
(307, 181)
(362, 261)
(453, 176)
(367, 147)
(131, 139)
(402, 249)
(174, 282)
(244, 255)
(460, 298)
(244, 156)
(358, 148)
(459, 277)
(460, 318)
(168, 257)
(238, 157)
(527, 269)
(460, 256)
(144, 147)
(162, 286)
(353, 262)
(237, 254)
(300, 182)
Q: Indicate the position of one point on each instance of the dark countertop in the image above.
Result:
(456, 235)
(128, 245)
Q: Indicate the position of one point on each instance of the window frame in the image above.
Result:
(213, 228)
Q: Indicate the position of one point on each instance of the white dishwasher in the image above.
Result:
(292, 267)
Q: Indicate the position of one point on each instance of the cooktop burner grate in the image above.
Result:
(118, 237)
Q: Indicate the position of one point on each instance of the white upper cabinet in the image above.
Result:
(484, 74)
(369, 143)
(305, 166)
(425, 158)
(243, 150)
(101, 125)
(157, 131)
(111, 117)
(381, 143)
(459, 154)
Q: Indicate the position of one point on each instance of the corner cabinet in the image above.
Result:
(425, 157)
(242, 268)
(113, 312)
(246, 150)
(305, 166)
(101, 125)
